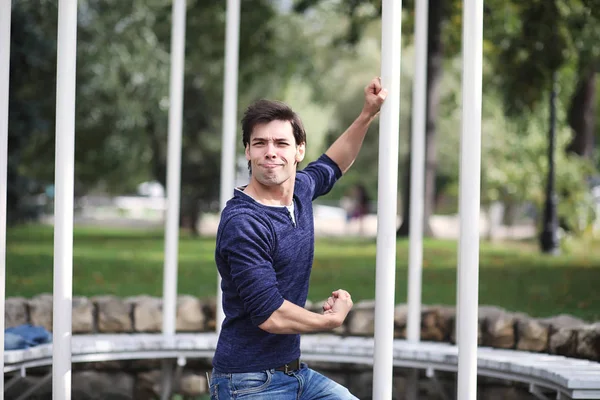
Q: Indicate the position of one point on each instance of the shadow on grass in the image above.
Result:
(37, 233)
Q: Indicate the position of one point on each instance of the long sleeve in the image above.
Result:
(246, 245)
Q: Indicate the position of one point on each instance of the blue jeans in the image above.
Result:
(303, 384)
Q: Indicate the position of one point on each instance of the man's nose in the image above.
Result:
(271, 151)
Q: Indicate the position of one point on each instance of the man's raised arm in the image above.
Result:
(345, 149)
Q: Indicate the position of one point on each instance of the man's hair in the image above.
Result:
(265, 111)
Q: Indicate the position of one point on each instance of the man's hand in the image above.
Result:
(339, 304)
(374, 97)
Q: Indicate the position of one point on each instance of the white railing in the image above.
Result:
(543, 373)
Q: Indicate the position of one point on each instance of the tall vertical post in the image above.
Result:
(469, 202)
(387, 194)
(63, 208)
(417, 186)
(174, 166)
(417, 189)
(232, 38)
(549, 235)
(5, 14)
(173, 179)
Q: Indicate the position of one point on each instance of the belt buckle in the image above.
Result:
(287, 369)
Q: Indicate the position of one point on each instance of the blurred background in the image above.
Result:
(316, 55)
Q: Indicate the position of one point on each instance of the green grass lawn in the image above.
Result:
(130, 262)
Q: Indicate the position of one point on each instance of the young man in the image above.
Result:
(264, 254)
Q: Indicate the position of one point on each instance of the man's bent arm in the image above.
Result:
(292, 319)
(345, 149)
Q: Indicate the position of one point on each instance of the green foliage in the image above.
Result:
(528, 41)
(317, 60)
(516, 164)
(515, 154)
(523, 44)
(124, 37)
(357, 13)
(123, 70)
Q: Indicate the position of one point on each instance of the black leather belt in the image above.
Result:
(289, 367)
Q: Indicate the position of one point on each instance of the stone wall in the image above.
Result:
(562, 334)
(110, 314)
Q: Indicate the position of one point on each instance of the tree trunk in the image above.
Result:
(582, 113)
(189, 212)
(435, 55)
(403, 230)
(194, 216)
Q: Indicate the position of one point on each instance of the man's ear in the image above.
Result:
(247, 152)
(300, 151)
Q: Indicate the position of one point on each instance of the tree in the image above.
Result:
(359, 13)
(516, 150)
(544, 37)
(122, 90)
(31, 100)
(524, 42)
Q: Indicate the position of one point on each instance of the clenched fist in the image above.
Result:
(375, 95)
(338, 305)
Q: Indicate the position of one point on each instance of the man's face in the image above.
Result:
(273, 153)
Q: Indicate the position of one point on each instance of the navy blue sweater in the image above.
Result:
(264, 258)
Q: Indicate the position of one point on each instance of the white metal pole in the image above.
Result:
(5, 12)
(417, 187)
(174, 167)
(417, 168)
(232, 39)
(469, 207)
(63, 208)
(387, 195)
(173, 182)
